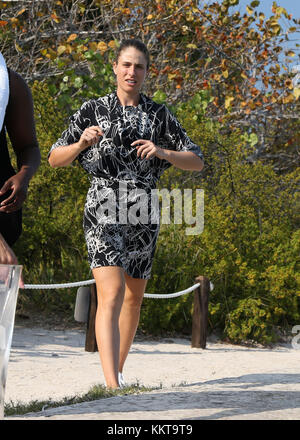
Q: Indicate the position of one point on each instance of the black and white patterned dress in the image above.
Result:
(117, 230)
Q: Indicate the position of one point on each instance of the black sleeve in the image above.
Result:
(174, 137)
(83, 118)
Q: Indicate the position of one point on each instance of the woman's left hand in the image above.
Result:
(148, 149)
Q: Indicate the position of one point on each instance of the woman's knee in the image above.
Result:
(111, 297)
(110, 288)
(133, 300)
(134, 292)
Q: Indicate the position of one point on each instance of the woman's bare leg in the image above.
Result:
(110, 284)
(130, 314)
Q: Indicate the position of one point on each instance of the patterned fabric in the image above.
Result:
(120, 179)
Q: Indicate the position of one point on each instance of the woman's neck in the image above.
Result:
(128, 99)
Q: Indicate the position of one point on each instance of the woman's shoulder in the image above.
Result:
(87, 106)
(105, 100)
(150, 105)
(93, 103)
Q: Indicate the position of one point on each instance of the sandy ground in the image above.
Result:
(221, 382)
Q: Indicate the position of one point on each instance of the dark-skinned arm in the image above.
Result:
(20, 126)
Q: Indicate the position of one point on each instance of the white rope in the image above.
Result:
(58, 286)
(174, 295)
(88, 282)
(171, 295)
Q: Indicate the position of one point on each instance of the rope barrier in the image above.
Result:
(172, 295)
(58, 286)
(88, 282)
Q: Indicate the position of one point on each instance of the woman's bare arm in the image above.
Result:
(65, 155)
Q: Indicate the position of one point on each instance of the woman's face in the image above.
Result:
(130, 70)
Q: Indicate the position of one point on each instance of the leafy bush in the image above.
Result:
(249, 247)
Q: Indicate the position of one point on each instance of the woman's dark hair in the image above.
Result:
(137, 44)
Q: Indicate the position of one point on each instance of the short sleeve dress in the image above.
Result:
(121, 222)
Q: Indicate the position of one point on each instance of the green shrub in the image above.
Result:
(249, 247)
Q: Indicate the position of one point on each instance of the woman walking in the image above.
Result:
(125, 141)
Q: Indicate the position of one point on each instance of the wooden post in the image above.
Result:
(90, 338)
(200, 313)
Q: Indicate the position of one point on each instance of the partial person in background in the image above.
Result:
(6, 253)
(17, 120)
(4, 89)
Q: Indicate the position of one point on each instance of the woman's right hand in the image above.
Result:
(90, 136)
(65, 154)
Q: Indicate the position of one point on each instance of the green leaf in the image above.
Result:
(159, 96)
(297, 92)
(191, 46)
(253, 139)
(78, 82)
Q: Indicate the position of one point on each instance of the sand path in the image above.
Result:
(221, 382)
